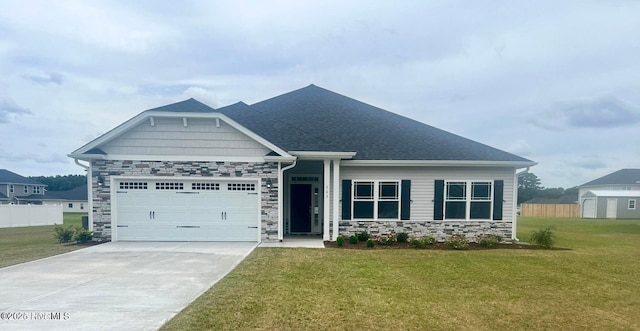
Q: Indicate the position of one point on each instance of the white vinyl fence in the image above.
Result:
(12, 216)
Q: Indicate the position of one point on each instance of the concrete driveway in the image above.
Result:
(113, 286)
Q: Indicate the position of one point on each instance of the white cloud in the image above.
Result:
(9, 109)
(520, 147)
(606, 111)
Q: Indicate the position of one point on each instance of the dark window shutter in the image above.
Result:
(498, 192)
(405, 200)
(346, 199)
(438, 200)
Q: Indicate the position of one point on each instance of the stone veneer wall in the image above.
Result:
(438, 229)
(224, 170)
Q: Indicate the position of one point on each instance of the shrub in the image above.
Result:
(386, 239)
(457, 242)
(370, 243)
(489, 240)
(363, 236)
(340, 241)
(543, 237)
(423, 242)
(353, 240)
(82, 236)
(402, 237)
(63, 234)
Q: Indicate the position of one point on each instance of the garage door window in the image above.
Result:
(169, 186)
(133, 185)
(205, 186)
(241, 187)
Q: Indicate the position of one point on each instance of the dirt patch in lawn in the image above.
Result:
(436, 246)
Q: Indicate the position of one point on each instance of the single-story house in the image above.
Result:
(622, 185)
(308, 162)
(73, 201)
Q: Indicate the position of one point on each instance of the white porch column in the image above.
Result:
(280, 197)
(326, 182)
(90, 195)
(336, 198)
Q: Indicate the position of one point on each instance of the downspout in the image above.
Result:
(515, 200)
(280, 196)
(89, 192)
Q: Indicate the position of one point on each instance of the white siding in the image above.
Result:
(423, 179)
(201, 137)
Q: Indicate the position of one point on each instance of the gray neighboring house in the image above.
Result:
(17, 189)
(612, 196)
(308, 162)
(75, 200)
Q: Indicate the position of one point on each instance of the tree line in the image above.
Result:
(530, 186)
(61, 183)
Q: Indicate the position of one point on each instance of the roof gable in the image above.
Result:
(142, 137)
(620, 177)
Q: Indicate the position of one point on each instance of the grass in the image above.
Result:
(23, 244)
(595, 285)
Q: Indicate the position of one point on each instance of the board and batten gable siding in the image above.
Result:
(169, 136)
(421, 220)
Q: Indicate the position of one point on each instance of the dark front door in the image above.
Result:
(300, 208)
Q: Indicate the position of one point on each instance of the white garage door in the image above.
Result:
(589, 208)
(172, 210)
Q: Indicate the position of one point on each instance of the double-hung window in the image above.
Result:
(26, 189)
(36, 190)
(631, 204)
(468, 200)
(376, 199)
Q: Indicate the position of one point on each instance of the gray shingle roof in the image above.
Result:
(190, 105)
(316, 119)
(9, 177)
(620, 177)
(78, 194)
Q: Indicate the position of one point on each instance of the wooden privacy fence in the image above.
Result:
(550, 210)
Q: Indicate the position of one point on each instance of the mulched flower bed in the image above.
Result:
(436, 246)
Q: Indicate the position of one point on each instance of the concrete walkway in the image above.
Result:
(113, 286)
(297, 242)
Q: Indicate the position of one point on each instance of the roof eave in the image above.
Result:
(322, 155)
(440, 163)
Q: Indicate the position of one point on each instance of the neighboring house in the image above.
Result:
(19, 190)
(309, 162)
(612, 196)
(74, 200)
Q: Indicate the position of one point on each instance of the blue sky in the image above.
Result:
(555, 82)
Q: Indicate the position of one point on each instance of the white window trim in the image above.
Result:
(25, 189)
(36, 190)
(11, 188)
(468, 200)
(629, 204)
(376, 198)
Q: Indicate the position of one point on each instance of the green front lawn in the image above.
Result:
(595, 285)
(18, 245)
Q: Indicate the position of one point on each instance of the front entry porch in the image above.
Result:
(310, 191)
